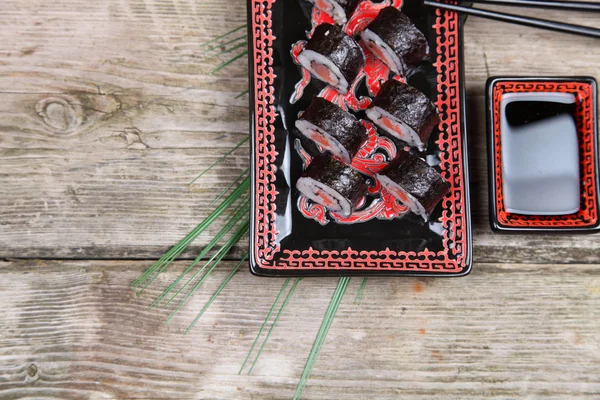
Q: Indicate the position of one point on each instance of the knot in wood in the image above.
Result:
(62, 114)
(32, 370)
(32, 374)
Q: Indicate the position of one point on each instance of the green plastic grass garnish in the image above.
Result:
(241, 94)
(237, 146)
(229, 50)
(322, 335)
(242, 208)
(228, 188)
(151, 273)
(237, 39)
(239, 28)
(283, 306)
(361, 291)
(232, 212)
(229, 62)
(212, 263)
(217, 292)
(268, 317)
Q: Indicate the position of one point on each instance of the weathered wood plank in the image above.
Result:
(107, 205)
(496, 48)
(121, 77)
(75, 330)
(75, 120)
(109, 110)
(139, 45)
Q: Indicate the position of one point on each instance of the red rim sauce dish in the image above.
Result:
(543, 154)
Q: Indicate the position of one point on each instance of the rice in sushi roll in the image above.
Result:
(330, 183)
(396, 41)
(333, 57)
(332, 128)
(340, 10)
(405, 113)
(416, 184)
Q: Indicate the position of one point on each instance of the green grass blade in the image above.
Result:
(217, 292)
(260, 331)
(226, 63)
(221, 159)
(361, 291)
(224, 35)
(241, 94)
(283, 306)
(324, 323)
(216, 46)
(237, 238)
(228, 226)
(183, 244)
(328, 319)
(230, 186)
(234, 221)
(215, 260)
(319, 341)
(229, 50)
(322, 334)
(237, 213)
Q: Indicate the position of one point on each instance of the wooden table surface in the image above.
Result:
(108, 111)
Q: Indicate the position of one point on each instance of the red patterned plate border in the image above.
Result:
(267, 258)
(584, 90)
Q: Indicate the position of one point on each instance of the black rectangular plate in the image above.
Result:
(283, 241)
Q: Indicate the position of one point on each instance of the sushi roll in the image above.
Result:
(330, 127)
(405, 113)
(412, 181)
(333, 57)
(330, 183)
(340, 10)
(395, 40)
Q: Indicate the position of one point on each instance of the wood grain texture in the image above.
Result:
(109, 111)
(120, 186)
(74, 329)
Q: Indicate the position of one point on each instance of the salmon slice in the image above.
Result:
(380, 53)
(324, 73)
(323, 5)
(320, 139)
(399, 194)
(390, 125)
(326, 200)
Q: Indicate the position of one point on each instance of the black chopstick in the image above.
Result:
(517, 19)
(556, 4)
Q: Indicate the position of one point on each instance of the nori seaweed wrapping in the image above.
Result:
(408, 105)
(417, 178)
(343, 179)
(403, 37)
(341, 125)
(331, 42)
